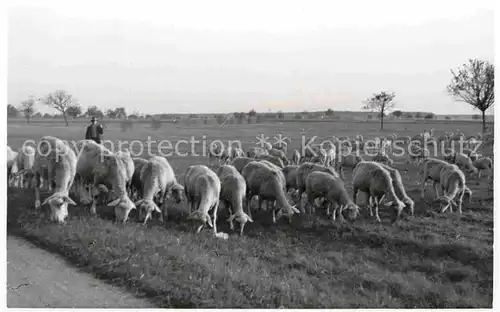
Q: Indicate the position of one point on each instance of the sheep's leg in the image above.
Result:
(328, 209)
(422, 194)
(37, 191)
(249, 210)
(377, 204)
(436, 189)
(274, 216)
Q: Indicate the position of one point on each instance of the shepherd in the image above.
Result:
(94, 131)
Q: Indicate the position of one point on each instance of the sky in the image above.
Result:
(225, 56)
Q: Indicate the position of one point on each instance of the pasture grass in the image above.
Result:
(431, 260)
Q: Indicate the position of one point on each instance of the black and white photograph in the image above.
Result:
(249, 154)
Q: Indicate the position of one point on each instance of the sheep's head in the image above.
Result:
(58, 203)
(176, 193)
(242, 218)
(123, 206)
(411, 204)
(289, 212)
(445, 200)
(353, 210)
(204, 217)
(396, 204)
(146, 208)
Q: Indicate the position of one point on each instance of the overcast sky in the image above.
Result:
(225, 56)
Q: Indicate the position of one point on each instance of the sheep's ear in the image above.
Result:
(68, 200)
(158, 209)
(295, 210)
(114, 202)
(47, 199)
(389, 203)
(139, 202)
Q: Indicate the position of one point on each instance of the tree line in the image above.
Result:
(472, 83)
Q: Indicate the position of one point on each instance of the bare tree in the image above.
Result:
(61, 101)
(474, 83)
(28, 108)
(381, 103)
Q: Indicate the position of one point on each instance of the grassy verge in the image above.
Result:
(430, 261)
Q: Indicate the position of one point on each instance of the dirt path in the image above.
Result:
(39, 279)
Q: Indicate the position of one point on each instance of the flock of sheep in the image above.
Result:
(93, 173)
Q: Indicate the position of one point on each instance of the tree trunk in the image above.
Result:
(381, 121)
(484, 122)
(28, 120)
(65, 119)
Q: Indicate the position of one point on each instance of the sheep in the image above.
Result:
(464, 162)
(105, 171)
(432, 169)
(304, 170)
(215, 150)
(296, 157)
(11, 156)
(348, 161)
(57, 159)
(135, 184)
(233, 190)
(418, 154)
(290, 173)
(279, 154)
(382, 158)
(324, 185)
(269, 184)
(129, 166)
(452, 181)
(320, 158)
(281, 145)
(237, 152)
(157, 177)
(254, 152)
(272, 159)
(22, 165)
(202, 189)
(483, 163)
(241, 162)
(370, 177)
(397, 183)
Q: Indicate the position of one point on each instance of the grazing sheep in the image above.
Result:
(281, 145)
(279, 154)
(241, 162)
(382, 158)
(348, 161)
(202, 189)
(22, 167)
(136, 184)
(465, 163)
(432, 170)
(483, 163)
(324, 185)
(233, 191)
(272, 159)
(397, 183)
(269, 184)
(11, 156)
(254, 152)
(419, 154)
(290, 173)
(126, 158)
(452, 181)
(157, 177)
(59, 162)
(304, 170)
(370, 177)
(107, 174)
(320, 158)
(237, 152)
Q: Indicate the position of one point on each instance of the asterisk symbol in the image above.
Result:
(280, 140)
(262, 140)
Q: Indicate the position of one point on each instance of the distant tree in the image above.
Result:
(120, 112)
(12, 111)
(28, 108)
(74, 111)
(418, 115)
(298, 116)
(329, 112)
(37, 115)
(192, 116)
(381, 103)
(397, 113)
(447, 117)
(252, 113)
(94, 111)
(408, 115)
(280, 115)
(133, 116)
(476, 117)
(474, 83)
(47, 115)
(60, 100)
(430, 116)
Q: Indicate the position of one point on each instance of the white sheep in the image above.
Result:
(304, 170)
(452, 181)
(22, 167)
(202, 189)
(279, 154)
(58, 161)
(296, 157)
(11, 156)
(157, 178)
(483, 163)
(254, 152)
(465, 163)
(233, 191)
(272, 159)
(136, 184)
(240, 162)
(370, 177)
(269, 184)
(348, 161)
(382, 158)
(397, 183)
(324, 185)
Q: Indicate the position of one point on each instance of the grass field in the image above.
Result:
(432, 260)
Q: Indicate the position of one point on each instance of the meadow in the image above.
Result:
(430, 260)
